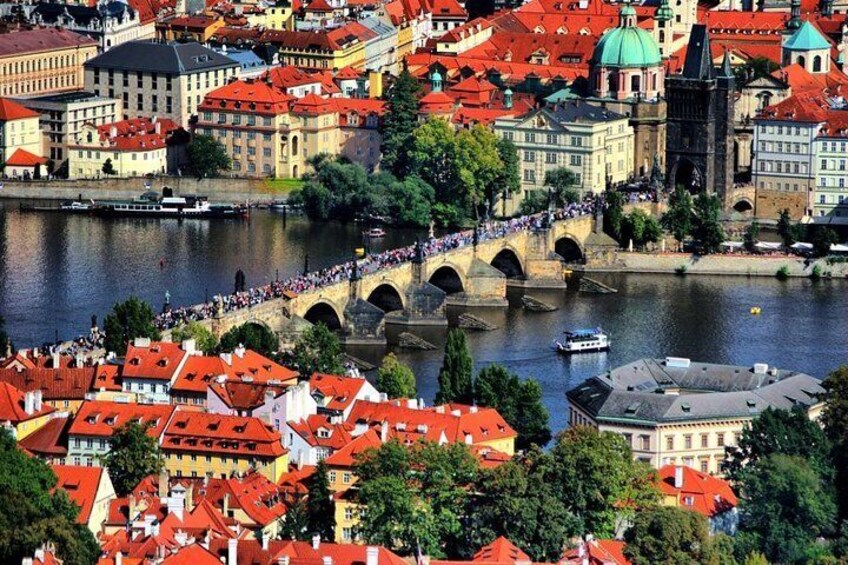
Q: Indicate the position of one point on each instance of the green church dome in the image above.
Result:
(623, 47)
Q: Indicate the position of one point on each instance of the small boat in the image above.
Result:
(583, 341)
(374, 233)
(278, 205)
(66, 207)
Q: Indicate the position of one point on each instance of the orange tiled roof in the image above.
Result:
(195, 554)
(50, 440)
(23, 158)
(703, 493)
(101, 418)
(346, 456)
(317, 431)
(107, 377)
(798, 108)
(339, 389)
(436, 102)
(312, 104)
(289, 76)
(447, 9)
(218, 433)
(81, 484)
(10, 110)
(259, 498)
(598, 552)
(245, 396)
(13, 407)
(69, 383)
(39, 40)
(198, 373)
(158, 361)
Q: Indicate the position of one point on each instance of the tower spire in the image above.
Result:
(826, 8)
(794, 21)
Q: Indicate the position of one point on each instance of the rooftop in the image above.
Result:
(161, 57)
(41, 39)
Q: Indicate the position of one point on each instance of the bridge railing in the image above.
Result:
(372, 263)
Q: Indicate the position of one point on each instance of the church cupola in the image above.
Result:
(507, 101)
(436, 82)
(794, 21)
(663, 32)
(807, 48)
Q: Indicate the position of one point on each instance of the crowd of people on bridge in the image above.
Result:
(369, 264)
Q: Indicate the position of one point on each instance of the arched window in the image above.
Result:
(802, 62)
(295, 146)
(817, 64)
(635, 83)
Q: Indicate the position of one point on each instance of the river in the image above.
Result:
(56, 271)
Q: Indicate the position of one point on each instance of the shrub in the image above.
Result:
(681, 270)
(782, 273)
(816, 273)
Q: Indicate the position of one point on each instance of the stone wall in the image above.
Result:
(738, 264)
(219, 189)
(770, 203)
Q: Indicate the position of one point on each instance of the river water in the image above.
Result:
(56, 271)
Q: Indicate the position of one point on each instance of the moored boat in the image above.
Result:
(149, 205)
(374, 233)
(583, 341)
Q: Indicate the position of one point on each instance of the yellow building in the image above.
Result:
(214, 445)
(189, 28)
(18, 130)
(43, 61)
(22, 413)
(279, 17)
(136, 147)
(674, 411)
(323, 50)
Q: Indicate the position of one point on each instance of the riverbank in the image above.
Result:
(217, 189)
(719, 264)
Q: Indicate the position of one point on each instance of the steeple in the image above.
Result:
(627, 15)
(436, 82)
(726, 69)
(664, 13)
(826, 8)
(699, 63)
(794, 21)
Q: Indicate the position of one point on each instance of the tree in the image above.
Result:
(320, 508)
(519, 500)
(408, 202)
(413, 497)
(128, 320)
(336, 190)
(823, 238)
(678, 217)
(456, 381)
(785, 432)
(5, 343)
(478, 165)
(395, 378)
(36, 172)
(519, 402)
(204, 339)
(784, 228)
(133, 454)
(562, 183)
(208, 157)
(706, 225)
(755, 68)
(640, 227)
(834, 420)
(33, 511)
(508, 181)
(399, 121)
(613, 213)
(599, 480)
(755, 558)
(108, 168)
(294, 525)
(318, 351)
(786, 507)
(669, 535)
(251, 336)
(751, 233)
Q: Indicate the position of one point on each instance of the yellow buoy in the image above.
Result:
(756, 310)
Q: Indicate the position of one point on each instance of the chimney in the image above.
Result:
(141, 342)
(56, 359)
(265, 540)
(26, 561)
(113, 131)
(225, 504)
(157, 127)
(239, 351)
(384, 431)
(189, 346)
(227, 358)
(131, 506)
(326, 560)
(36, 400)
(119, 558)
(283, 560)
(316, 541)
(678, 476)
(181, 538)
(372, 554)
(232, 551)
(79, 360)
(29, 402)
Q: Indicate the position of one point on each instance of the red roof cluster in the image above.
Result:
(101, 418)
(249, 96)
(157, 361)
(221, 434)
(10, 110)
(703, 493)
(339, 392)
(81, 484)
(17, 406)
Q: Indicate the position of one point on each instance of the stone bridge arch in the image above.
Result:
(448, 277)
(509, 262)
(325, 312)
(387, 296)
(569, 247)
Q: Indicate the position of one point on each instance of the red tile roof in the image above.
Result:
(42, 39)
(244, 396)
(347, 455)
(10, 110)
(359, 107)
(348, 73)
(597, 552)
(703, 493)
(222, 434)
(13, 407)
(320, 6)
(465, 30)
(81, 484)
(436, 103)
(158, 361)
(198, 372)
(798, 108)
(340, 390)
(447, 9)
(101, 418)
(557, 49)
(289, 76)
(294, 481)
(250, 552)
(262, 500)
(317, 431)
(250, 96)
(50, 440)
(195, 554)
(501, 551)
(312, 105)
(23, 158)
(107, 377)
(55, 384)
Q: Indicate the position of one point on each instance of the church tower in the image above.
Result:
(663, 32)
(699, 145)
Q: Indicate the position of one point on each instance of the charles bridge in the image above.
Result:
(416, 292)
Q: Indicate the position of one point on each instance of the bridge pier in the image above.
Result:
(363, 322)
(484, 286)
(543, 267)
(425, 306)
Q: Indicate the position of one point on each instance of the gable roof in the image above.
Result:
(41, 39)
(13, 406)
(157, 361)
(806, 38)
(23, 158)
(101, 418)
(50, 440)
(10, 110)
(339, 391)
(347, 455)
(223, 434)
(700, 492)
(317, 431)
(81, 484)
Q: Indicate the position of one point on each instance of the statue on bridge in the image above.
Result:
(240, 282)
(219, 305)
(418, 258)
(166, 307)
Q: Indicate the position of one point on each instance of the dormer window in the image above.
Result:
(324, 433)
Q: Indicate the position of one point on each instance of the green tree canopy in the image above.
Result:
(751, 233)
(520, 500)
(613, 214)
(775, 431)
(32, 512)
(640, 227)
(408, 202)
(108, 168)
(456, 379)
(755, 68)
(786, 230)
(508, 181)
(395, 378)
(671, 536)
(414, 497)
(519, 402)
(133, 455)
(785, 507)
(208, 157)
(822, 238)
(562, 183)
(399, 121)
(255, 337)
(295, 524)
(599, 480)
(204, 339)
(706, 223)
(320, 508)
(128, 320)
(834, 419)
(678, 217)
(318, 351)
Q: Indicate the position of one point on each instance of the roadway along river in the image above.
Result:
(56, 271)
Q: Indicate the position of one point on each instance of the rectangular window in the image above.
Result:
(530, 137)
(669, 443)
(552, 139)
(550, 158)
(705, 440)
(529, 156)
(720, 440)
(529, 175)
(687, 441)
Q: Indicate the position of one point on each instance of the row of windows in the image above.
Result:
(529, 175)
(831, 199)
(251, 151)
(781, 130)
(222, 134)
(96, 155)
(833, 164)
(35, 65)
(797, 148)
(824, 182)
(688, 441)
(29, 86)
(236, 119)
(767, 185)
(765, 166)
(551, 158)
